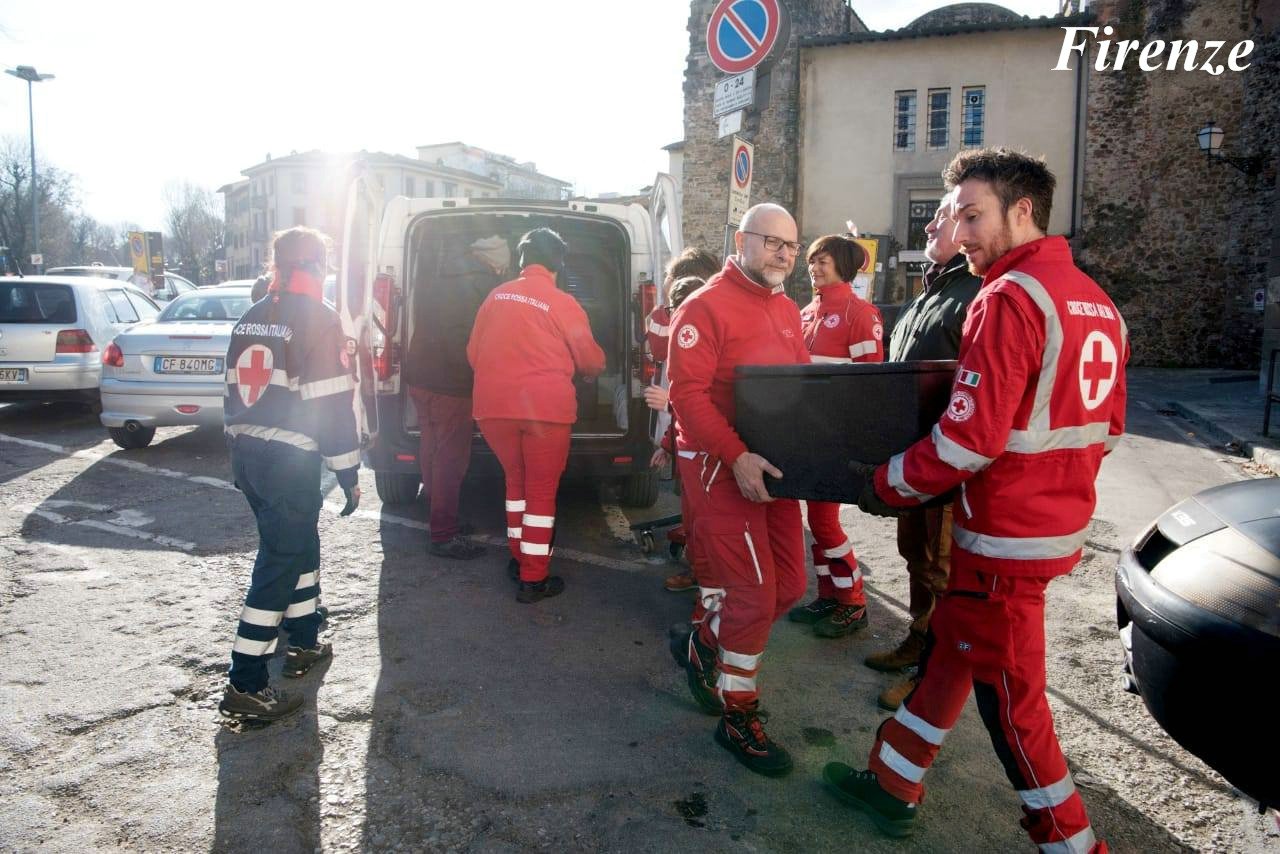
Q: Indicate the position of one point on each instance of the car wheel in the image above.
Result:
(396, 488)
(138, 437)
(640, 489)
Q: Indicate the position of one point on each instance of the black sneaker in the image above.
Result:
(269, 704)
(860, 789)
(742, 734)
(458, 548)
(844, 620)
(299, 660)
(699, 663)
(813, 612)
(536, 591)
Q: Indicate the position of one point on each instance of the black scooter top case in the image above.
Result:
(810, 420)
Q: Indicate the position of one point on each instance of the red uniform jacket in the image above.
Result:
(657, 332)
(730, 322)
(841, 327)
(528, 341)
(1038, 399)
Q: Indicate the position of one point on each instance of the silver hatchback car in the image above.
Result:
(53, 330)
(172, 372)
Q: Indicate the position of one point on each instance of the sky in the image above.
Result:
(147, 94)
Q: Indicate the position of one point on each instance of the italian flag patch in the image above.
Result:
(970, 378)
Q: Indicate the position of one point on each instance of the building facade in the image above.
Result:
(518, 180)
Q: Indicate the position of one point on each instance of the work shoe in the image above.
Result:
(860, 789)
(298, 660)
(681, 582)
(699, 663)
(269, 704)
(536, 591)
(813, 612)
(893, 696)
(844, 620)
(742, 734)
(905, 654)
(458, 548)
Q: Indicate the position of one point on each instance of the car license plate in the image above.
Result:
(13, 375)
(188, 365)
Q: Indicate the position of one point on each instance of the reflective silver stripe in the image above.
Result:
(956, 455)
(343, 461)
(734, 682)
(899, 483)
(1112, 441)
(529, 548)
(1035, 441)
(301, 609)
(1039, 420)
(839, 551)
(305, 580)
(899, 764)
(323, 388)
(712, 598)
(844, 582)
(514, 533)
(259, 617)
(862, 348)
(688, 455)
(1048, 796)
(659, 330)
(244, 646)
(740, 660)
(515, 506)
(714, 624)
(1081, 843)
(532, 521)
(1018, 548)
(273, 434)
(930, 733)
(751, 547)
(830, 360)
(822, 569)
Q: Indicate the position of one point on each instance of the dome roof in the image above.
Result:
(963, 14)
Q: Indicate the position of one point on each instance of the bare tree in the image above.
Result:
(56, 197)
(193, 230)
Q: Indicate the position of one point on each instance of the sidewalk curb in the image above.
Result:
(1268, 458)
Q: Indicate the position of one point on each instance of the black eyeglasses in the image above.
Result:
(773, 244)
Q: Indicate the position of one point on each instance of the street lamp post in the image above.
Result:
(29, 74)
(1210, 139)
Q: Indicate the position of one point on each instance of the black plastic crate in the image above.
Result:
(810, 420)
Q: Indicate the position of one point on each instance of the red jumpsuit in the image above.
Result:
(528, 341)
(1038, 399)
(839, 328)
(750, 557)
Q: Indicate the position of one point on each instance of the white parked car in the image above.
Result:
(173, 287)
(171, 372)
(53, 329)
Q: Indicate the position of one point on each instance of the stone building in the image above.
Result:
(518, 180)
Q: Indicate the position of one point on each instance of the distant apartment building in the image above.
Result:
(518, 180)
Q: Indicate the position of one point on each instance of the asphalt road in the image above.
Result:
(453, 718)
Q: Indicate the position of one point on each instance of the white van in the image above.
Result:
(390, 253)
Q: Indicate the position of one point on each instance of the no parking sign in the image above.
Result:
(741, 33)
(740, 172)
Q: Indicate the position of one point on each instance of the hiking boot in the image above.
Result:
(844, 620)
(298, 660)
(742, 734)
(269, 704)
(458, 548)
(893, 696)
(680, 582)
(699, 663)
(905, 654)
(813, 612)
(536, 591)
(860, 789)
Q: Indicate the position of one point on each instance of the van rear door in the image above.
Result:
(357, 269)
(666, 241)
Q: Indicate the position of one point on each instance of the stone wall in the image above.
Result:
(772, 127)
(1180, 243)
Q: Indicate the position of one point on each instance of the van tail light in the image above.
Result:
(75, 341)
(382, 362)
(648, 369)
(648, 298)
(384, 319)
(113, 356)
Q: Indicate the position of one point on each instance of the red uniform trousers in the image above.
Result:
(987, 635)
(833, 560)
(750, 570)
(444, 453)
(533, 456)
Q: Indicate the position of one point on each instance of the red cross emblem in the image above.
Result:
(687, 336)
(1098, 365)
(253, 373)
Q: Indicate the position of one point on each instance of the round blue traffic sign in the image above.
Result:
(741, 167)
(741, 33)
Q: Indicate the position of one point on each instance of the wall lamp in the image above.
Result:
(1210, 138)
